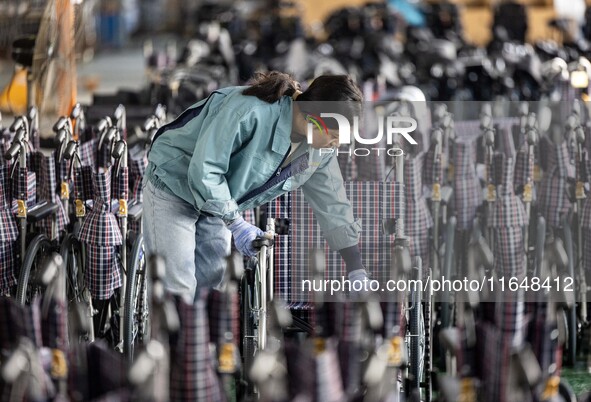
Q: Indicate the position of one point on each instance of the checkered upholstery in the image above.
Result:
(88, 151)
(301, 370)
(54, 325)
(8, 235)
(494, 361)
(505, 324)
(504, 140)
(47, 191)
(586, 224)
(432, 167)
(103, 156)
(5, 139)
(121, 184)
(524, 167)
(96, 372)
(24, 187)
(553, 199)
(223, 315)
(193, 376)
(372, 202)
(329, 385)
(101, 234)
(280, 208)
(19, 321)
(83, 186)
(137, 169)
(393, 316)
(540, 329)
(418, 218)
(467, 191)
(508, 209)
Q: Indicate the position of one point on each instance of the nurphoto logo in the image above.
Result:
(395, 128)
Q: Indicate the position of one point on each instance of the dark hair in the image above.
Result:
(335, 88)
(327, 93)
(332, 94)
(271, 86)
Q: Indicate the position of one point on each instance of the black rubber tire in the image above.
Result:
(428, 364)
(571, 356)
(36, 251)
(247, 330)
(72, 254)
(415, 318)
(135, 314)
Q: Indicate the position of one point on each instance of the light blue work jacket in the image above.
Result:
(229, 145)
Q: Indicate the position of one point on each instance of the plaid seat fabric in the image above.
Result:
(46, 191)
(553, 199)
(83, 186)
(88, 151)
(101, 234)
(508, 209)
(8, 235)
(103, 156)
(5, 139)
(24, 187)
(54, 324)
(223, 315)
(95, 371)
(301, 370)
(121, 184)
(586, 224)
(19, 321)
(329, 384)
(137, 169)
(495, 356)
(192, 372)
(546, 349)
(280, 208)
(467, 191)
(524, 167)
(372, 202)
(508, 218)
(418, 218)
(432, 167)
(504, 140)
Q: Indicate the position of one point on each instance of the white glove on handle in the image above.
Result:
(244, 233)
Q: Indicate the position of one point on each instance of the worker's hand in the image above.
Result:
(244, 233)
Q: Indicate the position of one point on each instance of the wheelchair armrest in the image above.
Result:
(41, 211)
(262, 241)
(134, 212)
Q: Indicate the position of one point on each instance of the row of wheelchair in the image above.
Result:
(502, 196)
(494, 202)
(79, 201)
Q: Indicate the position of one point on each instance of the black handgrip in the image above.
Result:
(70, 150)
(12, 151)
(60, 124)
(118, 149)
(259, 242)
